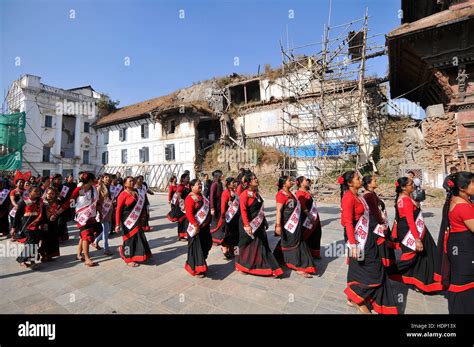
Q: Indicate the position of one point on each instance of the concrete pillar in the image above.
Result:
(77, 138)
(58, 132)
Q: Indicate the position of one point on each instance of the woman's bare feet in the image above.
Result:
(133, 264)
(364, 309)
(304, 274)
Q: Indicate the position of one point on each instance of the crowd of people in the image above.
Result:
(230, 213)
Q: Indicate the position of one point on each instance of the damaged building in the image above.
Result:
(431, 58)
(160, 137)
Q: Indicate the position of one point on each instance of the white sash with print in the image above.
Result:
(136, 212)
(233, 209)
(64, 192)
(258, 220)
(200, 216)
(308, 223)
(115, 190)
(174, 199)
(3, 195)
(292, 222)
(106, 206)
(361, 230)
(86, 207)
(409, 239)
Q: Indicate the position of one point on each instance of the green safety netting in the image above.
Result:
(12, 140)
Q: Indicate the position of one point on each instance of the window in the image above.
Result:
(169, 152)
(172, 126)
(106, 137)
(46, 154)
(86, 127)
(48, 121)
(85, 157)
(124, 156)
(123, 134)
(144, 154)
(46, 173)
(144, 131)
(105, 158)
(244, 93)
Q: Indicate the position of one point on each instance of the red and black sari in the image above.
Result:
(457, 243)
(228, 232)
(291, 248)
(312, 236)
(49, 231)
(378, 217)
(215, 202)
(65, 192)
(255, 256)
(198, 245)
(135, 246)
(367, 280)
(420, 269)
(28, 220)
(177, 213)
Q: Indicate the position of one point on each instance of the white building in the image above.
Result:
(158, 138)
(60, 138)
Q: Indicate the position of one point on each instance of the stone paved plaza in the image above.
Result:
(163, 286)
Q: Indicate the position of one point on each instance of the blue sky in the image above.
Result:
(165, 52)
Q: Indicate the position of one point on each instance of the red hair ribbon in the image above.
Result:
(340, 180)
(396, 184)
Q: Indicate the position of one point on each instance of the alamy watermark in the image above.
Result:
(247, 156)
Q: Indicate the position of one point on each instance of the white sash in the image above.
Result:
(106, 206)
(361, 230)
(200, 216)
(136, 212)
(409, 239)
(64, 192)
(3, 195)
(308, 223)
(258, 220)
(86, 207)
(292, 222)
(233, 209)
(115, 190)
(174, 198)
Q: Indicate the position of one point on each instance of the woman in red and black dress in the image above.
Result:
(139, 185)
(312, 231)
(419, 263)
(177, 213)
(295, 252)
(28, 219)
(49, 231)
(255, 256)
(379, 219)
(215, 194)
(130, 217)
(198, 219)
(228, 224)
(4, 208)
(64, 192)
(367, 281)
(84, 199)
(457, 243)
(172, 189)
